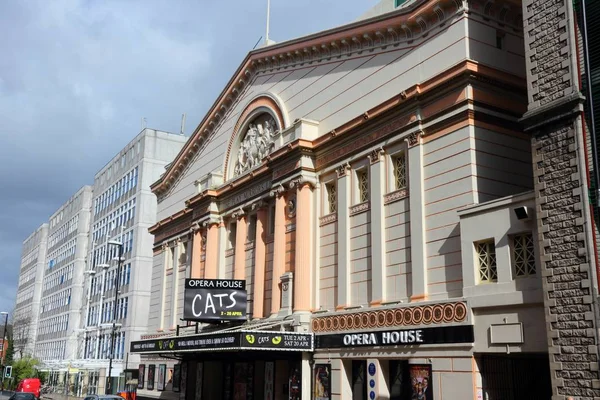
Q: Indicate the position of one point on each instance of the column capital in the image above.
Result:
(343, 170)
(238, 214)
(277, 191)
(300, 182)
(212, 221)
(195, 227)
(376, 155)
(258, 205)
(414, 138)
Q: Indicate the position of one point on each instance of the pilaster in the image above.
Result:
(418, 253)
(175, 280)
(378, 261)
(212, 249)
(278, 250)
(241, 232)
(343, 237)
(260, 251)
(196, 253)
(303, 266)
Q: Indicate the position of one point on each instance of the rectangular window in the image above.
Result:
(399, 171)
(331, 193)
(232, 234)
(252, 229)
(362, 181)
(272, 220)
(523, 255)
(486, 257)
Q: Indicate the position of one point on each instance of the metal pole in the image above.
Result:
(4, 348)
(109, 389)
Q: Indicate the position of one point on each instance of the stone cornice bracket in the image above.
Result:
(277, 191)
(164, 246)
(414, 138)
(343, 170)
(376, 155)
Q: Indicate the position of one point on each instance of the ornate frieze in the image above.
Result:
(359, 208)
(327, 219)
(343, 170)
(431, 314)
(394, 196)
(245, 195)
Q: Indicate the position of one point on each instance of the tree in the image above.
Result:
(10, 351)
(26, 367)
(21, 335)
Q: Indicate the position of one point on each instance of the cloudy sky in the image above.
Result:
(76, 77)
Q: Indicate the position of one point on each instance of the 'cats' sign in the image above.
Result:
(214, 300)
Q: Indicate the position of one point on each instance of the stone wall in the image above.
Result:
(555, 121)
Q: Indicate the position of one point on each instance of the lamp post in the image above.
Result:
(109, 388)
(4, 346)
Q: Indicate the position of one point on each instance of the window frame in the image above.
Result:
(513, 255)
(478, 259)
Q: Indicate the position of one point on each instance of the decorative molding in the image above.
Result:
(359, 208)
(414, 138)
(290, 208)
(343, 170)
(290, 228)
(395, 196)
(433, 314)
(301, 181)
(328, 219)
(376, 155)
(229, 252)
(278, 190)
(249, 245)
(238, 214)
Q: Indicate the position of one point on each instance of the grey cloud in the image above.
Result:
(76, 76)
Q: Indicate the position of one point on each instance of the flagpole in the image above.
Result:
(268, 21)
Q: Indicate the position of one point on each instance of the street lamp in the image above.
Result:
(4, 345)
(109, 388)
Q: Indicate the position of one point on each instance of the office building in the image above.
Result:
(123, 208)
(62, 291)
(26, 314)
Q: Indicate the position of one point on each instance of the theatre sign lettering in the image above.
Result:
(223, 341)
(399, 337)
(214, 300)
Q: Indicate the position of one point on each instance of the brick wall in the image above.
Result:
(555, 121)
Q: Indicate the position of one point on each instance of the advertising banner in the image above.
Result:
(322, 382)
(214, 300)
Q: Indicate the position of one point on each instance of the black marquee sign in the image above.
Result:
(214, 300)
(399, 337)
(224, 341)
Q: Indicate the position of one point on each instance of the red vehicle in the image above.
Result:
(30, 385)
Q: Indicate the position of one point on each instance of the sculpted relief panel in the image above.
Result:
(256, 144)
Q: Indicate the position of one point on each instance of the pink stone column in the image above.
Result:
(212, 249)
(196, 254)
(302, 275)
(260, 251)
(278, 252)
(241, 231)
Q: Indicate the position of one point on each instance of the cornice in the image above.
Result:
(405, 25)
